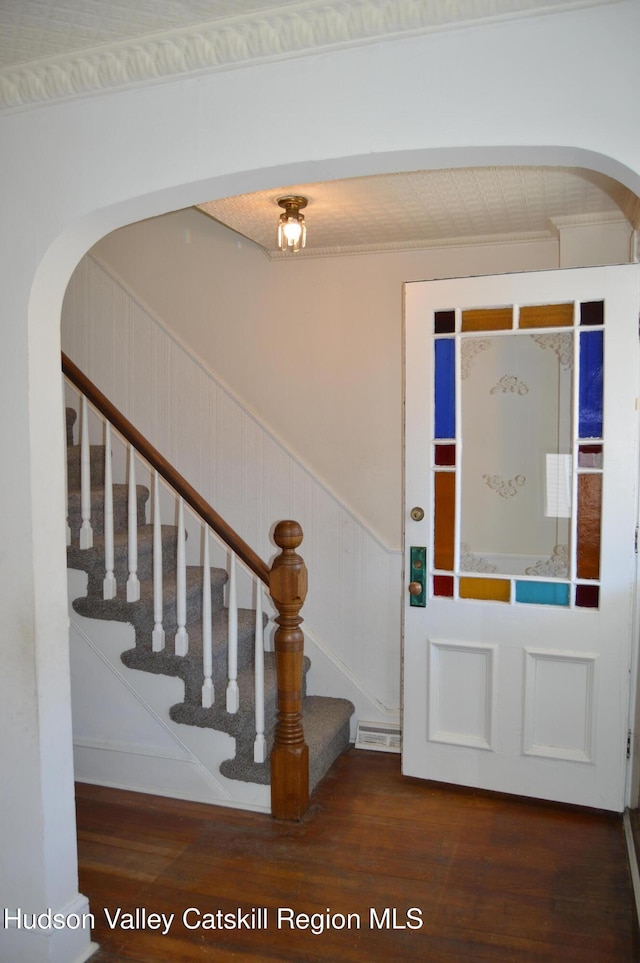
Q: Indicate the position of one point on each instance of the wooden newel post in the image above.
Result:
(290, 753)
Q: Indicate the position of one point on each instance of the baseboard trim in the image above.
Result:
(68, 944)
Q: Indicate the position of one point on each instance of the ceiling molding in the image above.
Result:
(280, 32)
(592, 219)
(488, 240)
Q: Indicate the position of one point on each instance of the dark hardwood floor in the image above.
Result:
(471, 876)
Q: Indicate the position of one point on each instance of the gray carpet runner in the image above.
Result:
(325, 720)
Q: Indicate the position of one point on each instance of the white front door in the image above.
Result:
(521, 433)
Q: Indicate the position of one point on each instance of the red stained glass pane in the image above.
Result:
(443, 586)
(444, 322)
(588, 596)
(592, 312)
(445, 455)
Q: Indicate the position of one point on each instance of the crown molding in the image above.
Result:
(282, 32)
(408, 247)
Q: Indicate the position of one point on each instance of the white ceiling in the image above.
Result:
(60, 49)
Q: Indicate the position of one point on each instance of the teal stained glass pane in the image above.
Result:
(542, 593)
(591, 379)
(445, 388)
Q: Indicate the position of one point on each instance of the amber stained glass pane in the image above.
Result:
(444, 322)
(443, 586)
(445, 455)
(491, 589)
(546, 315)
(589, 512)
(487, 319)
(445, 506)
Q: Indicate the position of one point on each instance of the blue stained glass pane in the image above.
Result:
(591, 361)
(542, 593)
(445, 393)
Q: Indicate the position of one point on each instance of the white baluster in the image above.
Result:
(208, 694)
(86, 531)
(109, 583)
(182, 636)
(157, 636)
(233, 694)
(133, 584)
(259, 745)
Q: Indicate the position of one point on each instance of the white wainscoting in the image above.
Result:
(353, 609)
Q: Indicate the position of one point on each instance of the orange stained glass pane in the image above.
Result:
(546, 315)
(491, 589)
(589, 512)
(487, 319)
(445, 509)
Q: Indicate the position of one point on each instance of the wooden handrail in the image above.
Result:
(166, 469)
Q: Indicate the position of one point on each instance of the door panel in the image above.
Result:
(520, 447)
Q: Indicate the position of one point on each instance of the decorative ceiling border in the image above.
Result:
(284, 31)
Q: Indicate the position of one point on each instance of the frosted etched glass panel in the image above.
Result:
(515, 464)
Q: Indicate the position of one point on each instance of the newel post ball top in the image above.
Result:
(288, 578)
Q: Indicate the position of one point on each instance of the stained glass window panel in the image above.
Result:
(445, 455)
(587, 596)
(542, 593)
(591, 381)
(444, 322)
(489, 589)
(445, 501)
(546, 315)
(589, 512)
(445, 388)
(487, 319)
(592, 312)
(443, 586)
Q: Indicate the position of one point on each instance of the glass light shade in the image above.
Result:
(292, 232)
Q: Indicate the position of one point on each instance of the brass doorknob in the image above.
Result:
(415, 588)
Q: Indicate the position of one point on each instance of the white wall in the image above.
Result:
(555, 89)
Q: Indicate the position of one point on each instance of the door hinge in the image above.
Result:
(635, 543)
(629, 744)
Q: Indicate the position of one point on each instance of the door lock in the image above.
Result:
(418, 575)
(417, 513)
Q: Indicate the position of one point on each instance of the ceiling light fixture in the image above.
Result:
(292, 231)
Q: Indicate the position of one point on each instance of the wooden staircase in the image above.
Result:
(303, 734)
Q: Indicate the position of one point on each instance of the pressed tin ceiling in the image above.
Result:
(405, 211)
(59, 49)
(52, 50)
